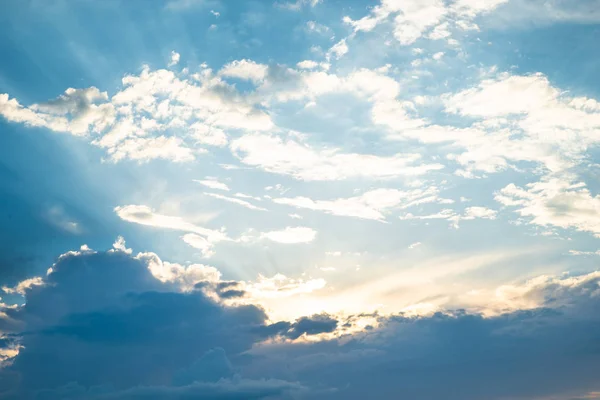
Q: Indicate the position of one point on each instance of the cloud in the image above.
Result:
(370, 205)
(307, 64)
(412, 19)
(289, 157)
(58, 217)
(291, 235)
(200, 237)
(244, 69)
(471, 356)
(174, 58)
(96, 326)
(233, 200)
(338, 50)
(76, 111)
(414, 245)
(155, 115)
(213, 183)
(555, 202)
(470, 213)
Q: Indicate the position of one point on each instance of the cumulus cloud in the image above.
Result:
(96, 326)
(555, 202)
(412, 19)
(244, 69)
(175, 57)
(155, 115)
(100, 321)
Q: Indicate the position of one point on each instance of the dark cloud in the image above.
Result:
(103, 327)
(314, 325)
(102, 319)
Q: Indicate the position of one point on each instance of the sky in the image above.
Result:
(300, 199)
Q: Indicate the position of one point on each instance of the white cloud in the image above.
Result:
(307, 64)
(373, 204)
(233, 200)
(313, 26)
(470, 213)
(338, 50)
(291, 235)
(479, 212)
(584, 253)
(303, 162)
(438, 56)
(76, 112)
(156, 114)
(412, 19)
(213, 183)
(208, 135)
(204, 238)
(201, 243)
(146, 149)
(245, 69)
(517, 119)
(440, 32)
(174, 58)
(414, 245)
(185, 277)
(555, 202)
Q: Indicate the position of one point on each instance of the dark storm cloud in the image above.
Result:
(102, 319)
(103, 327)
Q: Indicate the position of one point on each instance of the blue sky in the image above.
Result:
(323, 185)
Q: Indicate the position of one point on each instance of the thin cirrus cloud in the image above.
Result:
(370, 205)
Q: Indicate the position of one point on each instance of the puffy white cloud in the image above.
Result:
(184, 277)
(289, 157)
(412, 19)
(517, 119)
(155, 114)
(244, 69)
(338, 50)
(175, 57)
(373, 204)
(291, 235)
(76, 111)
(307, 64)
(555, 202)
